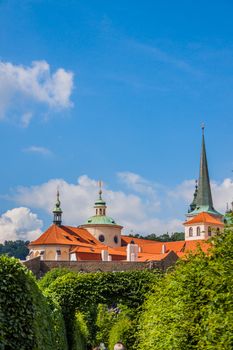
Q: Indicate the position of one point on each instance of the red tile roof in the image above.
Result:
(65, 235)
(88, 247)
(204, 218)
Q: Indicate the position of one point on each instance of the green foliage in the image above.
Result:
(79, 291)
(83, 292)
(106, 317)
(51, 276)
(81, 332)
(121, 331)
(26, 319)
(192, 307)
(17, 249)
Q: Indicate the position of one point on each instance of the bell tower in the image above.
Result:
(57, 212)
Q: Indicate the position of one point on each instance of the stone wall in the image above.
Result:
(40, 267)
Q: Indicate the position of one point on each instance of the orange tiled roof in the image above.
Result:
(65, 235)
(204, 218)
(84, 244)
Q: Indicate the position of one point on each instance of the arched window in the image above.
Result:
(198, 231)
(190, 232)
(96, 211)
(218, 230)
(209, 231)
(100, 211)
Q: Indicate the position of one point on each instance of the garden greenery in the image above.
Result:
(192, 307)
(188, 308)
(27, 319)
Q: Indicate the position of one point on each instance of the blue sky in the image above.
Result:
(137, 80)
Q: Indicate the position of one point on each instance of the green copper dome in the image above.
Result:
(100, 220)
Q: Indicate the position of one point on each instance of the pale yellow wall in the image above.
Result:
(50, 252)
(108, 231)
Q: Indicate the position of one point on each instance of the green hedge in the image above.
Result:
(83, 292)
(51, 276)
(27, 319)
(192, 307)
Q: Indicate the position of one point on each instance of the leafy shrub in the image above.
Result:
(81, 332)
(26, 319)
(51, 276)
(191, 308)
(83, 292)
(105, 319)
(121, 331)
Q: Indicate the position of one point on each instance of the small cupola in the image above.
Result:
(57, 212)
(100, 204)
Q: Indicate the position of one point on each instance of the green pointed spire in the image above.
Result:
(203, 201)
(204, 196)
(57, 212)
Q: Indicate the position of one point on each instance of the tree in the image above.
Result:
(17, 249)
(192, 307)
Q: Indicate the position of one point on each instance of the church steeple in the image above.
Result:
(57, 212)
(100, 204)
(204, 196)
(202, 201)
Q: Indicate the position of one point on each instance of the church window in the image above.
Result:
(198, 231)
(101, 238)
(190, 232)
(209, 231)
(218, 230)
(100, 211)
(96, 211)
(116, 239)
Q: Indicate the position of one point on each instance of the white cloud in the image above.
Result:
(137, 212)
(19, 223)
(39, 150)
(222, 194)
(144, 208)
(20, 86)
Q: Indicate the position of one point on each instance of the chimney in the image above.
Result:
(132, 252)
(104, 255)
(164, 249)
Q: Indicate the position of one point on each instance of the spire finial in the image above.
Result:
(100, 189)
(203, 128)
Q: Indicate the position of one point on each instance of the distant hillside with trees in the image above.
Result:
(17, 249)
(175, 236)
